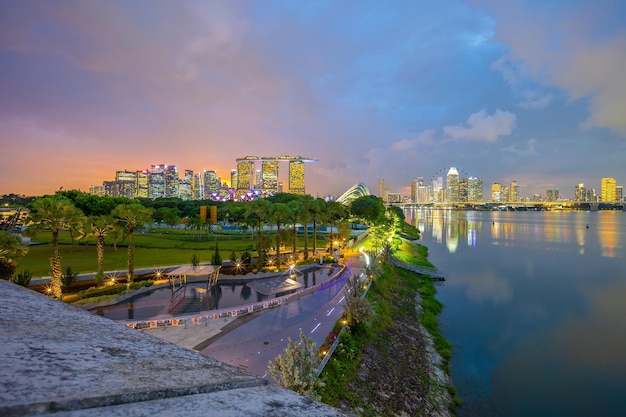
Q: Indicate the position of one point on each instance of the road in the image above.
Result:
(251, 345)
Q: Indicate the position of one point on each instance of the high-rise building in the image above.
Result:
(269, 174)
(514, 192)
(211, 182)
(619, 194)
(415, 185)
(608, 190)
(537, 198)
(452, 185)
(296, 177)
(580, 193)
(245, 170)
(156, 181)
(552, 195)
(185, 186)
(592, 197)
(171, 181)
(96, 190)
(381, 189)
(126, 183)
(463, 190)
(234, 175)
(496, 192)
(142, 190)
(437, 190)
(198, 186)
(474, 190)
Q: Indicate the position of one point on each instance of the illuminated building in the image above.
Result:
(474, 190)
(356, 191)
(143, 184)
(608, 190)
(580, 193)
(211, 182)
(96, 190)
(269, 175)
(381, 189)
(156, 181)
(514, 192)
(537, 198)
(552, 194)
(171, 181)
(245, 170)
(437, 189)
(452, 185)
(496, 192)
(185, 186)
(296, 177)
(415, 188)
(463, 190)
(198, 187)
(619, 194)
(126, 182)
(233, 178)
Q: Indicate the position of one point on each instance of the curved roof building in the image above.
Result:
(354, 192)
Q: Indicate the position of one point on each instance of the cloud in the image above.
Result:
(426, 138)
(581, 48)
(534, 101)
(483, 127)
(528, 149)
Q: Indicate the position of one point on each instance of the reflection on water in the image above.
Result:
(194, 297)
(534, 308)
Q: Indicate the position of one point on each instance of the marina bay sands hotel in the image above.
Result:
(247, 178)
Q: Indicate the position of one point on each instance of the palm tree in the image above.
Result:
(257, 213)
(131, 215)
(53, 214)
(336, 212)
(10, 249)
(294, 215)
(76, 225)
(278, 212)
(306, 204)
(317, 213)
(100, 227)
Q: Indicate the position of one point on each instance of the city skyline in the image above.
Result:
(520, 91)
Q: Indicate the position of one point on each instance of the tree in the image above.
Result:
(357, 308)
(305, 216)
(53, 214)
(335, 212)
(370, 209)
(294, 215)
(11, 249)
(296, 367)
(279, 213)
(100, 227)
(317, 213)
(131, 216)
(69, 277)
(217, 258)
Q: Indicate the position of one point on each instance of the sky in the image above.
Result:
(531, 91)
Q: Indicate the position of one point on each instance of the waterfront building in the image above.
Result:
(496, 192)
(514, 192)
(580, 193)
(296, 177)
(608, 190)
(156, 181)
(437, 189)
(474, 190)
(269, 175)
(537, 198)
(452, 185)
(423, 194)
(619, 194)
(463, 190)
(592, 196)
(552, 194)
(245, 170)
(416, 186)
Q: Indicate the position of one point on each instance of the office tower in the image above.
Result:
(245, 170)
(185, 185)
(452, 185)
(269, 175)
(592, 197)
(126, 183)
(496, 192)
(414, 189)
(437, 189)
(608, 190)
(142, 189)
(463, 190)
(296, 177)
(580, 193)
(537, 198)
(198, 186)
(552, 194)
(171, 181)
(211, 182)
(619, 194)
(381, 189)
(514, 192)
(474, 190)
(258, 180)
(423, 193)
(156, 181)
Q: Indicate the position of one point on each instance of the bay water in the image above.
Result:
(535, 308)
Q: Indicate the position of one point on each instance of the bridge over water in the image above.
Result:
(519, 206)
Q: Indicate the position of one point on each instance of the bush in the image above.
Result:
(22, 278)
(69, 277)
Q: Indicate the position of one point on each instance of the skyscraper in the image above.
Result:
(463, 190)
(475, 190)
(437, 189)
(608, 190)
(269, 174)
(496, 192)
(514, 192)
(296, 177)
(171, 181)
(142, 190)
(619, 194)
(233, 179)
(245, 170)
(580, 193)
(552, 195)
(452, 185)
(185, 186)
(126, 183)
(381, 189)
(156, 184)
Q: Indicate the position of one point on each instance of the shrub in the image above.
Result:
(22, 278)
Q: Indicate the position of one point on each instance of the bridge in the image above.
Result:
(518, 206)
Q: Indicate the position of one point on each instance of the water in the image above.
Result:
(535, 307)
(195, 297)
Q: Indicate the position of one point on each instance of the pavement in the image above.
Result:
(192, 336)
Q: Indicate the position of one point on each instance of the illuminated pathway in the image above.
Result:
(251, 345)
